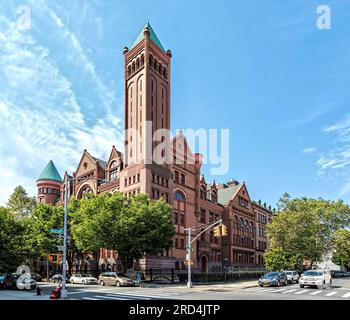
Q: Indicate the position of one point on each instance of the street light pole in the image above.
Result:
(189, 248)
(64, 294)
(189, 251)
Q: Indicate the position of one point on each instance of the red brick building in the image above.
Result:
(147, 70)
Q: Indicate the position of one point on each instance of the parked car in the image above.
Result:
(26, 282)
(115, 279)
(57, 278)
(316, 278)
(2, 280)
(292, 276)
(37, 277)
(83, 279)
(10, 281)
(273, 279)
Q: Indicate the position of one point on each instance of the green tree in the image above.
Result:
(20, 203)
(11, 241)
(304, 229)
(341, 254)
(132, 226)
(40, 241)
(275, 259)
(283, 201)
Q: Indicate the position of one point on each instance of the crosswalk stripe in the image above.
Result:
(265, 290)
(289, 291)
(316, 292)
(302, 291)
(346, 295)
(278, 290)
(112, 298)
(138, 295)
(331, 293)
(134, 297)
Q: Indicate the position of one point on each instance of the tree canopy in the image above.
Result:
(20, 203)
(304, 228)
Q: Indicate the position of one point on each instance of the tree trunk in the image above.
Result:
(97, 262)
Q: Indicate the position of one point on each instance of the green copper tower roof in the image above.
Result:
(50, 173)
(152, 36)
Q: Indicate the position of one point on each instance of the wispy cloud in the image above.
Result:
(336, 162)
(42, 114)
(309, 150)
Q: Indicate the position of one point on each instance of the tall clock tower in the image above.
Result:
(147, 109)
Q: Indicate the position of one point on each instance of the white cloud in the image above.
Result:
(41, 117)
(335, 164)
(309, 150)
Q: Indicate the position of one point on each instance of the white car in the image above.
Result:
(292, 276)
(25, 281)
(316, 278)
(83, 279)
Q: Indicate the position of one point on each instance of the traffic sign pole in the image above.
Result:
(64, 294)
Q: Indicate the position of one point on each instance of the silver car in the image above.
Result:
(115, 279)
(292, 276)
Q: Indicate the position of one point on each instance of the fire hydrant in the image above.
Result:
(38, 290)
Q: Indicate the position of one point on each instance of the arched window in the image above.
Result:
(133, 67)
(179, 196)
(242, 223)
(137, 63)
(129, 71)
(165, 73)
(160, 69)
(151, 60)
(85, 190)
(142, 60)
(114, 171)
(155, 66)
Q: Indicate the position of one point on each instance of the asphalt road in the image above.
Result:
(339, 291)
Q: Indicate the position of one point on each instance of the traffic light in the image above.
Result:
(223, 230)
(217, 231)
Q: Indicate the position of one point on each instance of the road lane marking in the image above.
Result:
(137, 295)
(331, 293)
(113, 298)
(278, 290)
(302, 291)
(316, 292)
(265, 290)
(289, 291)
(346, 295)
(89, 298)
(133, 297)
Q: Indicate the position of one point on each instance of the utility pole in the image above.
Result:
(222, 231)
(189, 251)
(64, 294)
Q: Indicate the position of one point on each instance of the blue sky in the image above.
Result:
(260, 68)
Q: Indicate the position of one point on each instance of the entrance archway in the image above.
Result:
(204, 261)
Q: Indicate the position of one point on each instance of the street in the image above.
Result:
(247, 290)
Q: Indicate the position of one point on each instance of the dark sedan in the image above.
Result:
(57, 278)
(273, 279)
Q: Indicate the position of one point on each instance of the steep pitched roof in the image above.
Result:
(152, 36)
(50, 173)
(226, 194)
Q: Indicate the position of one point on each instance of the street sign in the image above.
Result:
(59, 231)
